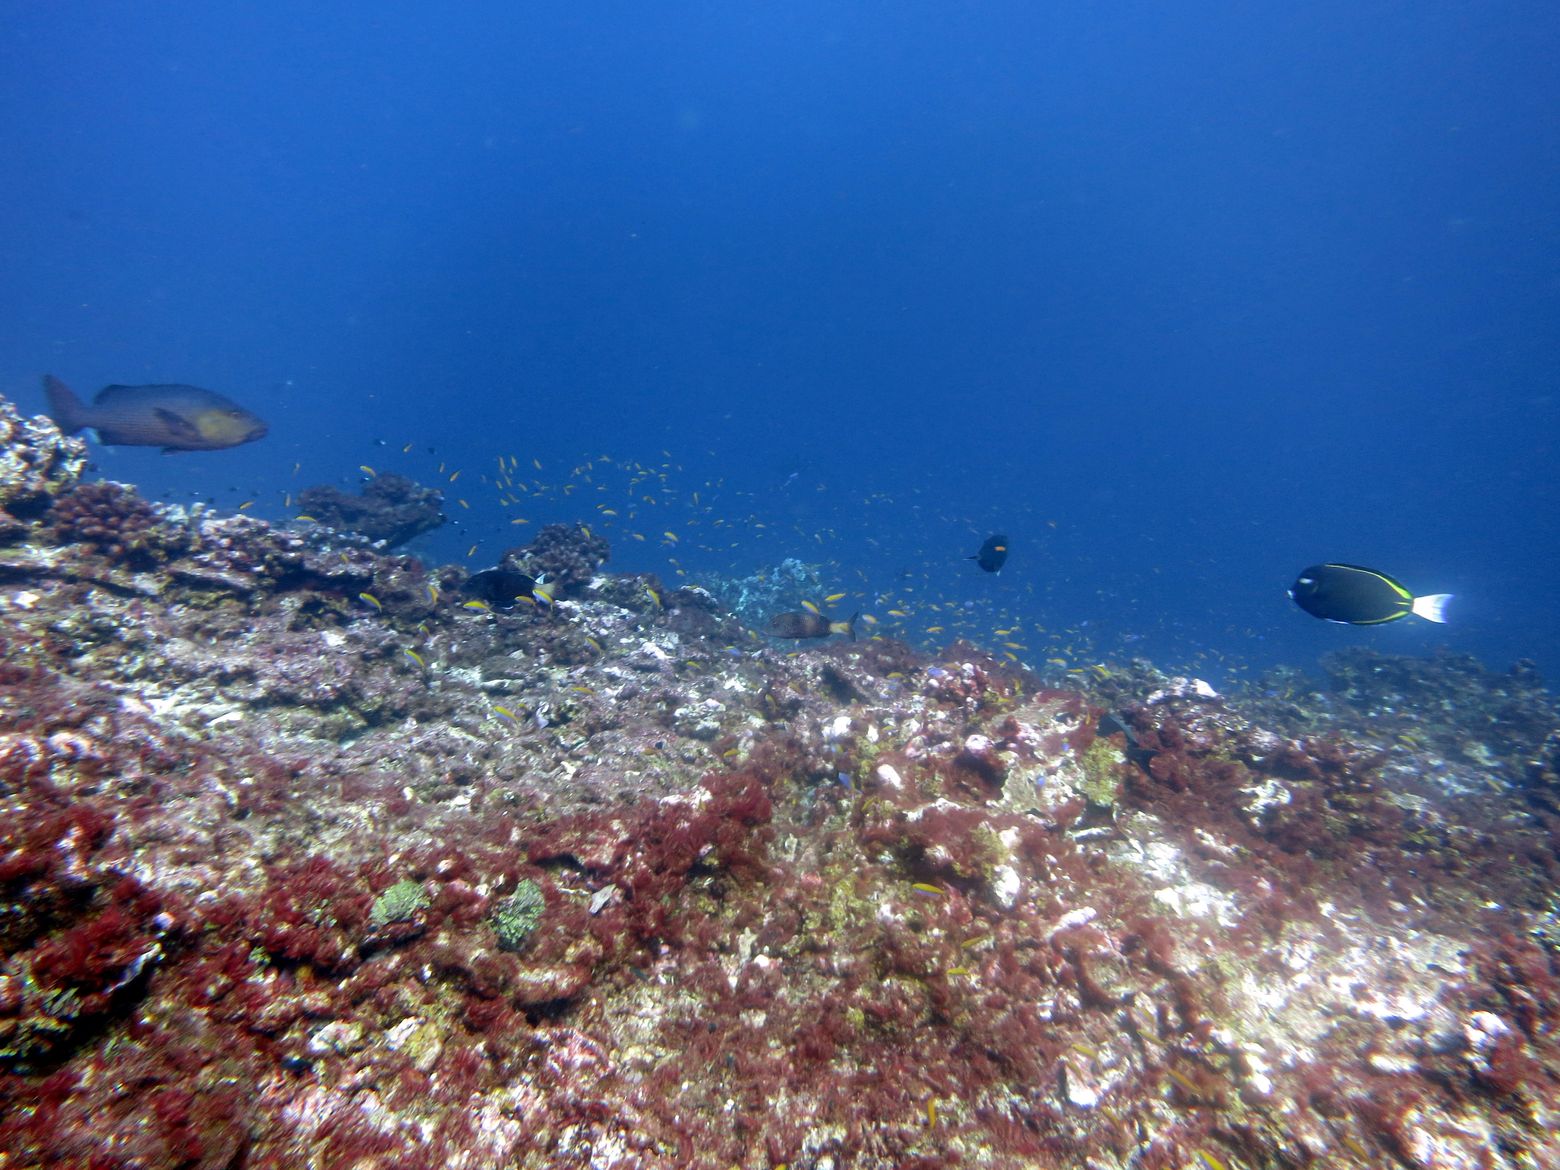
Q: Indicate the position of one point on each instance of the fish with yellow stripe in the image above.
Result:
(1357, 596)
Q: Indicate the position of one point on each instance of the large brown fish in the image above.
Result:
(175, 418)
(809, 625)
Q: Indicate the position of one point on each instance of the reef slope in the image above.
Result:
(309, 863)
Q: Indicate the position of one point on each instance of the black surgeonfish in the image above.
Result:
(500, 587)
(809, 625)
(1112, 722)
(175, 418)
(993, 554)
(1361, 597)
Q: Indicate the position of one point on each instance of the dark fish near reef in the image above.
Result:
(809, 625)
(175, 418)
(1110, 723)
(993, 554)
(500, 588)
(1361, 597)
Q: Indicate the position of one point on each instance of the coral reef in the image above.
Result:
(309, 863)
(756, 598)
(37, 463)
(120, 525)
(390, 510)
(566, 556)
(1449, 702)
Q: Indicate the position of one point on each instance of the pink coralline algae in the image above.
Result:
(308, 864)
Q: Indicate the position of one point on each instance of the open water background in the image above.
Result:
(1181, 297)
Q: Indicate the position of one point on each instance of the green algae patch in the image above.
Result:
(400, 903)
(516, 917)
(1101, 767)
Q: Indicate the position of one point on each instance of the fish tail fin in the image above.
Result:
(847, 627)
(64, 407)
(1432, 606)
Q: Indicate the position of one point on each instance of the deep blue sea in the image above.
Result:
(1180, 297)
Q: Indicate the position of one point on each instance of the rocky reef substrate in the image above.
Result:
(309, 861)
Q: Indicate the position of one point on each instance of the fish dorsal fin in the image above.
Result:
(117, 392)
(176, 423)
(111, 394)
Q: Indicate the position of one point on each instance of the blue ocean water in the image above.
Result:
(1181, 298)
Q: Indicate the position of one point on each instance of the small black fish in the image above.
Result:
(175, 418)
(993, 554)
(1112, 722)
(1361, 597)
(809, 625)
(500, 587)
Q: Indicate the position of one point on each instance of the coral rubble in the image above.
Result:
(308, 863)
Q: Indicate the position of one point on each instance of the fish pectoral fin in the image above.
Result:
(177, 423)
